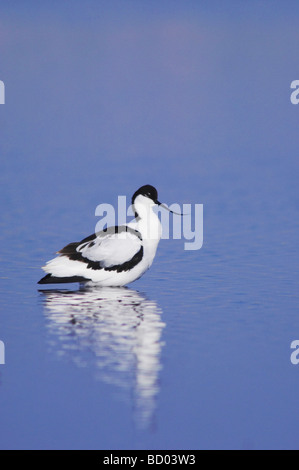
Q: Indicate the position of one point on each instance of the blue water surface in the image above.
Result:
(101, 98)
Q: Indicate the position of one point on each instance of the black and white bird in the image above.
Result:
(115, 256)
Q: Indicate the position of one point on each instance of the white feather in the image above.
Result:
(112, 249)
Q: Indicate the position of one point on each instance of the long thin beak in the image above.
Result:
(165, 207)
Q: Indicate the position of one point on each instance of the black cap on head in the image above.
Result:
(148, 191)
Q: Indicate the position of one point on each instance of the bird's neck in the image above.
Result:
(149, 225)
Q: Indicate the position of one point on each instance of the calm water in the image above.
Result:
(195, 354)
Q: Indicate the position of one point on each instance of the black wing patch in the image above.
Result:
(71, 252)
(71, 247)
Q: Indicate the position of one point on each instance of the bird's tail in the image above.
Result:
(61, 269)
(49, 279)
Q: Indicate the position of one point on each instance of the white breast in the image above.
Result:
(150, 229)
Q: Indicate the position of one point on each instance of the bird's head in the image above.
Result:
(147, 196)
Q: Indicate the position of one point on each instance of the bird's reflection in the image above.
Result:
(117, 331)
